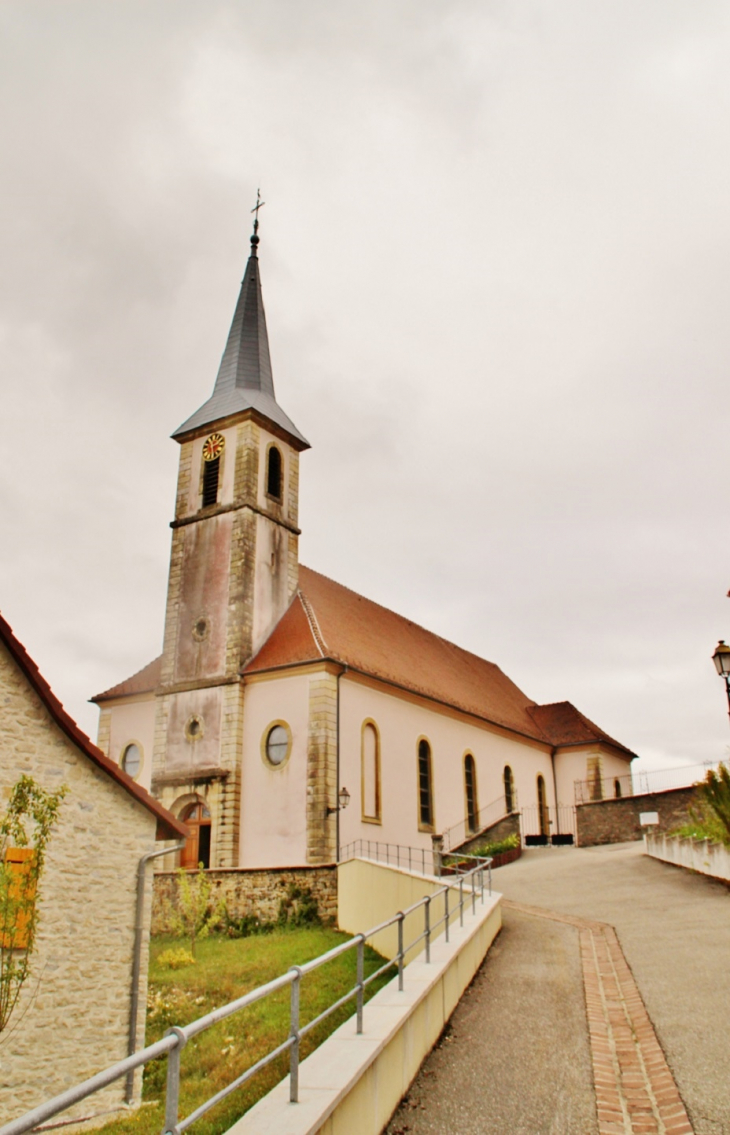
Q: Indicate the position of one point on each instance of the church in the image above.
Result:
(287, 716)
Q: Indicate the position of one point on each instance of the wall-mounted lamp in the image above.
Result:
(343, 800)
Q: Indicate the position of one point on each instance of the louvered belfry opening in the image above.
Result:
(211, 471)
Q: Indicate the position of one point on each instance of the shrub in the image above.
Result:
(497, 846)
(245, 926)
(710, 817)
(175, 958)
(299, 907)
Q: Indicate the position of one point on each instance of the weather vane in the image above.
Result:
(259, 205)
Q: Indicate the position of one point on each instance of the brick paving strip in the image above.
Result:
(635, 1091)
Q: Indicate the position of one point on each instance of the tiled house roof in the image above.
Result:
(168, 827)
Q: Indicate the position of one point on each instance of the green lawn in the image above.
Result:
(226, 969)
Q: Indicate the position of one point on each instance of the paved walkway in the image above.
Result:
(572, 1029)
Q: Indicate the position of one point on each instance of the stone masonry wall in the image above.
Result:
(73, 1015)
(507, 826)
(612, 821)
(250, 891)
(322, 769)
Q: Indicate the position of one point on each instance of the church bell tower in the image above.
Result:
(233, 571)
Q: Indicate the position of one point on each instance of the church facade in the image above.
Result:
(281, 695)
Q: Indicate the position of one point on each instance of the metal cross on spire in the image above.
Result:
(259, 205)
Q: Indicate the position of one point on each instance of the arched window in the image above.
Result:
(470, 791)
(197, 845)
(370, 772)
(617, 788)
(273, 473)
(212, 453)
(509, 790)
(542, 807)
(131, 760)
(425, 791)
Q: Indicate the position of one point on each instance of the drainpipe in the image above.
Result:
(337, 788)
(555, 792)
(137, 957)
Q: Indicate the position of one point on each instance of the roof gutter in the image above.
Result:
(137, 957)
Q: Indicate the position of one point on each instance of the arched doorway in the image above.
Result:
(197, 845)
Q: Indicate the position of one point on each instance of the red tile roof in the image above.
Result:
(328, 620)
(563, 724)
(145, 681)
(168, 827)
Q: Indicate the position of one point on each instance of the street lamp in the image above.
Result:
(344, 796)
(721, 658)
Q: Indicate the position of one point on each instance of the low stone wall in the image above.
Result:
(507, 826)
(694, 854)
(613, 821)
(250, 891)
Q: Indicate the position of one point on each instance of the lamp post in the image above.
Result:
(721, 658)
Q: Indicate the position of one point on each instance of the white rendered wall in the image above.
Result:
(134, 721)
(572, 765)
(274, 800)
(401, 723)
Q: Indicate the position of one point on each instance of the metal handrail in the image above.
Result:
(177, 1037)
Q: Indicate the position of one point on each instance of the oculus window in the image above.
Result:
(276, 747)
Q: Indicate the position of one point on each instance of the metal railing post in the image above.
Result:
(401, 918)
(360, 980)
(473, 893)
(172, 1089)
(489, 871)
(461, 900)
(294, 1034)
(481, 883)
(427, 920)
(446, 914)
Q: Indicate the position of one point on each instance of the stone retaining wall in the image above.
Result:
(507, 826)
(613, 821)
(250, 891)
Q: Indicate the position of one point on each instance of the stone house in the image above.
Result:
(277, 688)
(75, 1013)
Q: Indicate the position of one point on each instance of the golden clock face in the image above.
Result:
(213, 447)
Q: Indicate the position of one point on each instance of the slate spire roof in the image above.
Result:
(245, 380)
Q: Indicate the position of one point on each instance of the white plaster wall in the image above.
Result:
(401, 723)
(274, 801)
(134, 721)
(572, 765)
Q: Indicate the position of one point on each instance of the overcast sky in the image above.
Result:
(495, 265)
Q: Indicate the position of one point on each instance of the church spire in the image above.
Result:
(245, 379)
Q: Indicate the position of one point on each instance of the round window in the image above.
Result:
(132, 760)
(277, 745)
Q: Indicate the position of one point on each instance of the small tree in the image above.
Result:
(715, 793)
(192, 917)
(24, 834)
